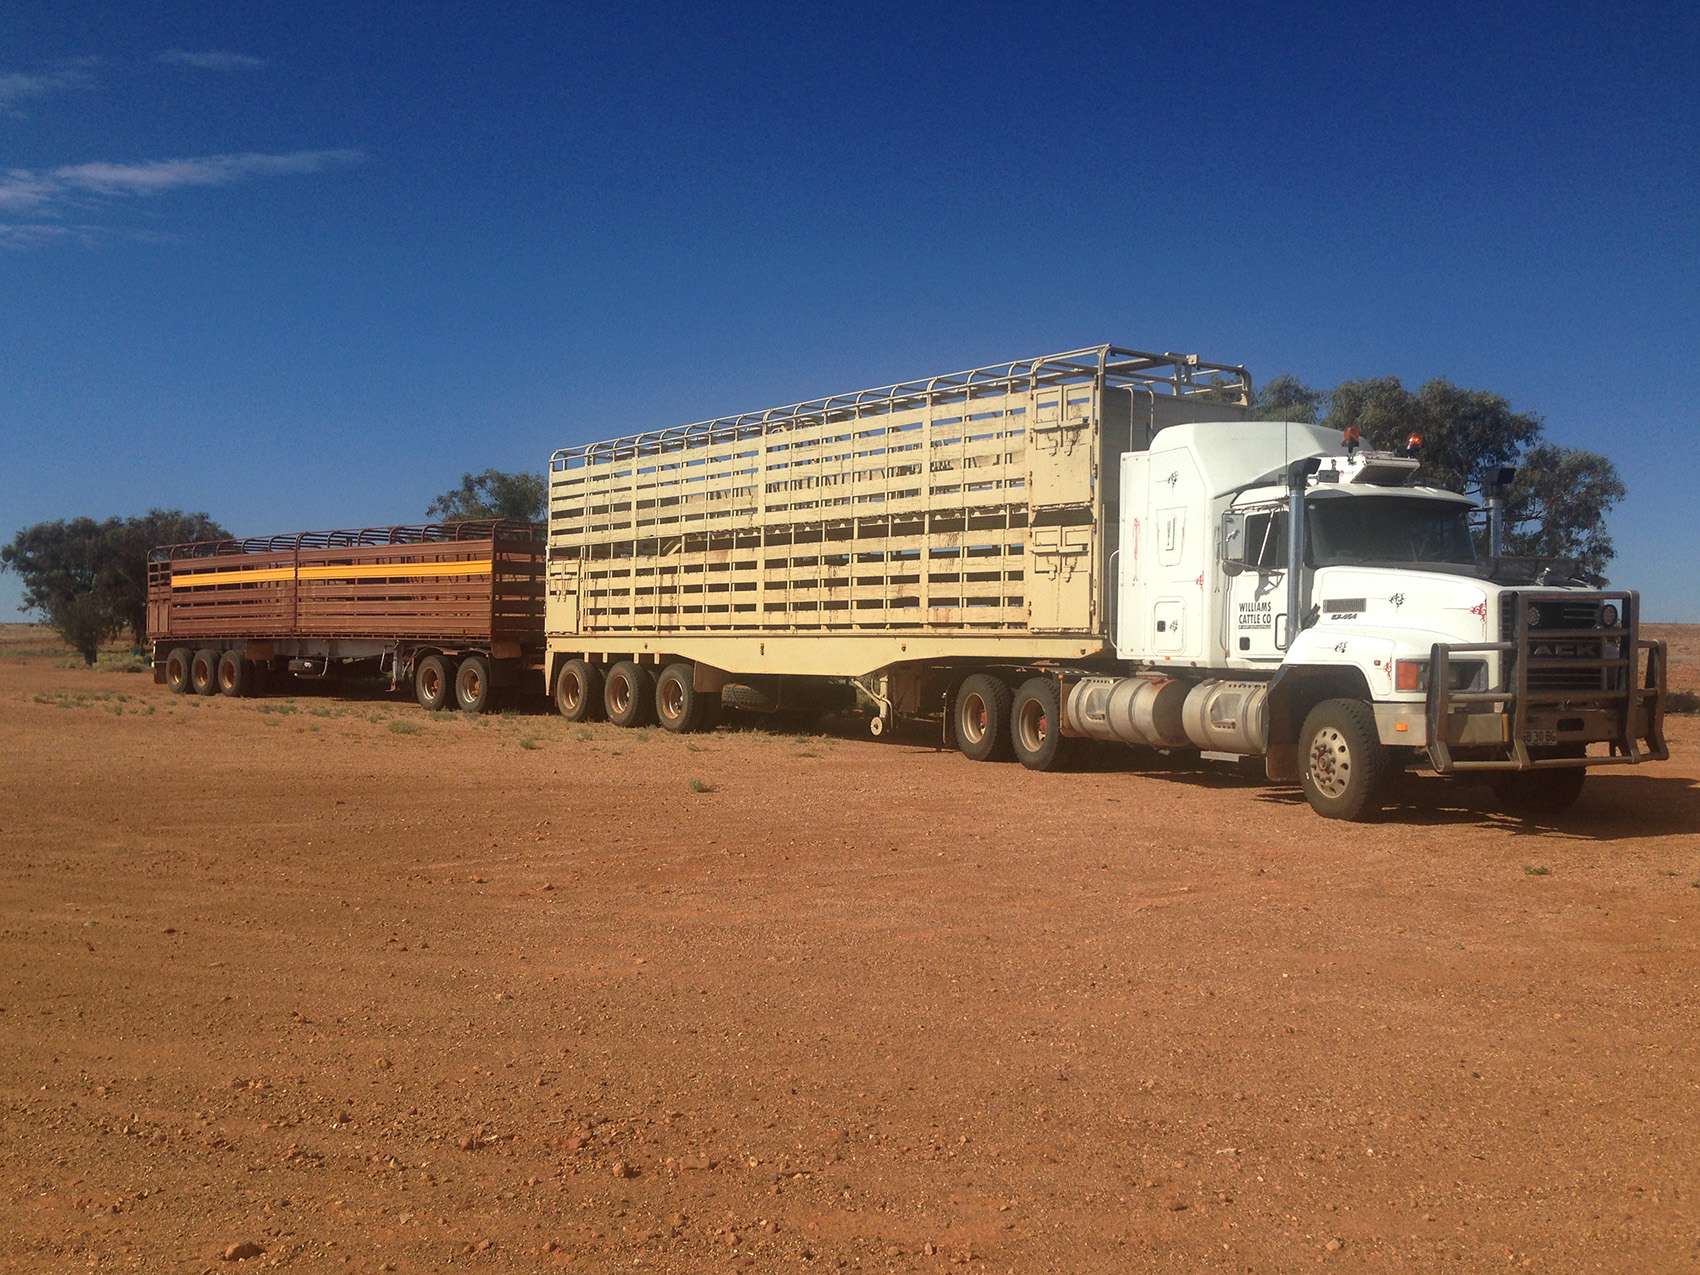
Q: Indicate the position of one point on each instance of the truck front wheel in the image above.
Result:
(1342, 764)
(982, 719)
(1035, 725)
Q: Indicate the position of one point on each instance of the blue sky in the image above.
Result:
(300, 266)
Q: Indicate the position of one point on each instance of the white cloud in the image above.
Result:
(46, 195)
(20, 86)
(29, 235)
(212, 60)
(20, 189)
(153, 176)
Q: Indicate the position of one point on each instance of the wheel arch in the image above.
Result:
(1293, 692)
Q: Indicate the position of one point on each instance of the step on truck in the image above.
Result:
(1090, 546)
(454, 610)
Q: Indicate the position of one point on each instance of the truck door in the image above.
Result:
(1257, 597)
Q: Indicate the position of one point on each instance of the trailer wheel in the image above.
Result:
(679, 706)
(578, 691)
(203, 672)
(1540, 792)
(432, 683)
(1035, 725)
(1342, 764)
(233, 678)
(472, 684)
(982, 718)
(629, 694)
(177, 670)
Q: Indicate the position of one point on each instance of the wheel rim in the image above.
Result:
(973, 721)
(432, 683)
(1330, 762)
(673, 699)
(619, 694)
(472, 684)
(571, 694)
(226, 678)
(1033, 725)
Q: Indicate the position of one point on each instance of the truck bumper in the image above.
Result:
(1560, 690)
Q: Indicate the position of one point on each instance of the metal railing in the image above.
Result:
(406, 534)
(1178, 374)
(1636, 700)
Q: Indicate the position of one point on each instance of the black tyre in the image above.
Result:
(629, 695)
(1343, 766)
(1540, 792)
(578, 691)
(752, 699)
(177, 670)
(433, 683)
(1035, 726)
(472, 684)
(679, 706)
(981, 718)
(234, 675)
(203, 672)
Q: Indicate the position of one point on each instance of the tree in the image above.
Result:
(83, 622)
(126, 581)
(492, 494)
(90, 579)
(1467, 434)
(1286, 398)
(1556, 506)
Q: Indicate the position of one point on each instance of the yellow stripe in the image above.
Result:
(365, 571)
(189, 580)
(368, 571)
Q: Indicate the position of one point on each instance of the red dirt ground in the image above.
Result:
(375, 990)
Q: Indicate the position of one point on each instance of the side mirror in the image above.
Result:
(1231, 546)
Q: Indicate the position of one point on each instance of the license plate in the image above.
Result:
(1540, 737)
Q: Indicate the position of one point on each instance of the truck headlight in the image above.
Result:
(1462, 675)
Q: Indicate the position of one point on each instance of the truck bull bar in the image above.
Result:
(1559, 661)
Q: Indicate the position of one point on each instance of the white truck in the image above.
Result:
(1096, 545)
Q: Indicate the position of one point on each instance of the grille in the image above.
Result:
(1561, 615)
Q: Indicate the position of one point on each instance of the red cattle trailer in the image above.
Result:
(455, 609)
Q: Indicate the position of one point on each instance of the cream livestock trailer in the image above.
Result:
(904, 536)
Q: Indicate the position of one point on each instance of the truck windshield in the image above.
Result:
(1363, 529)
